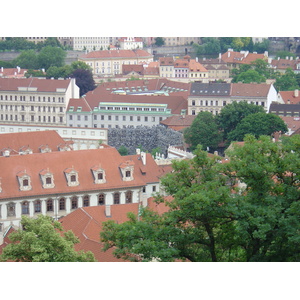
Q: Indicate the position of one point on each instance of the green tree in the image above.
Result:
(244, 210)
(27, 60)
(159, 41)
(197, 227)
(257, 124)
(232, 114)
(51, 56)
(287, 81)
(267, 220)
(204, 131)
(43, 240)
(249, 76)
(123, 150)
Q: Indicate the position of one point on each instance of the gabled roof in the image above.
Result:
(36, 84)
(133, 68)
(83, 161)
(250, 89)
(210, 89)
(35, 140)
(86, 223)
(108, 54)
(179, 121)
(175, 103)
(290, 97)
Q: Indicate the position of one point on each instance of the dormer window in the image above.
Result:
(24, 181)
(127, 169)
(47, 179)
(72, 177)
(99, 174)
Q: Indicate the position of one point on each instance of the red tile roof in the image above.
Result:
(82, 161)
(12, 72)
(35, 140)
(108, 54)
(86, 223)
(250, 89)
(42, 85)
(178, 122)
(175, 103)
(290, 97)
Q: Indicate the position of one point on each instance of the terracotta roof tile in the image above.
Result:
(42, 85)
(35, 140)
(116, 54)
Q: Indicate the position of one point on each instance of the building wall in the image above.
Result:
(91, 43)
(113, 66)
(25, 106)
(112, 115)
(83, 138)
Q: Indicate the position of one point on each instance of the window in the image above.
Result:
(128, 197)
(101, 199)
(11, 209)
(37, 206)
(74, 202)
(128, 174)
(117, 198)
(25, 208)
(73, 178)
(62, 204)
(48, 180)
(86, 200)
(49, 205)
(154, 188)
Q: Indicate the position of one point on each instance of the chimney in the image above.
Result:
(107, 211)
(138, 151)
(228, 53)
(143, 156)
(296, 93)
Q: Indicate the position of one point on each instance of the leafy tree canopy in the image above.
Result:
(43, 240)
(249, 76)
(287, 81)
(213, 218)
(232, 114)
(204, 131)
(257, 124)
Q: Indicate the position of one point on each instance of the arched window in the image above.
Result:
(86, 200)
(49, 205)
(11, 209)
(101, 199)
(128, 197)
(116, 198)
(74, 202)
(62, 204)
(37, 206)
(25, 208)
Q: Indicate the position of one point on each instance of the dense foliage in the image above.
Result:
(43, 240)
(247, 209)
(204, 130)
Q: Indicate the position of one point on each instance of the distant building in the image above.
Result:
(130, 43)
(58, 182)
(213, 97)
(108, 63)
(91, 43)
(35, 101)
(234, 59)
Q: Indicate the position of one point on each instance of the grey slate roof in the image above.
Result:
(210, 89)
